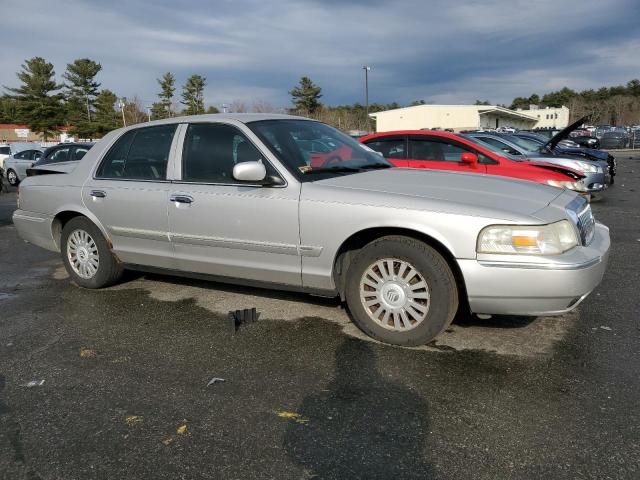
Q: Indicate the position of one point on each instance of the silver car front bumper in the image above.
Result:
(554, 288)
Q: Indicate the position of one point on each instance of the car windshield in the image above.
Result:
(5, 151)
(312, 150)
(493, 148)
(527, 144)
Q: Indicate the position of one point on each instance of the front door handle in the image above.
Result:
(181, 199)
(98, 193)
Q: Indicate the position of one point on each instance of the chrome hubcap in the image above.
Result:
(11, 176)
(394, 294)
(82, 253)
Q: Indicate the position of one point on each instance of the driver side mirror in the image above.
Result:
(470, 159)
(249, 172)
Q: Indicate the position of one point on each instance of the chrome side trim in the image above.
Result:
(30, 218)
(541, 266)
(139, 233)
(309, 251)
(282, 248)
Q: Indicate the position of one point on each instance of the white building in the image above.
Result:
(548, 117)
(456, 117)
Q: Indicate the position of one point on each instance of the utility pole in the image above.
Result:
(366, 69)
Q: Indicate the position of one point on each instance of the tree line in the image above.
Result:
(617, 105)
(45, 105)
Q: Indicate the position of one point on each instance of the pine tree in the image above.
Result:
(38, 104)
(81, 89)
(162, 108)
(193, 95)
(106, 117)
(306, 96)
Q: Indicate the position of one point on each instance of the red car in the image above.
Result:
(448, 151)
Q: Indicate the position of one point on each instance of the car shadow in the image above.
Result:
(467, 320)
(462, 319)
(238, 289)
(361, 425)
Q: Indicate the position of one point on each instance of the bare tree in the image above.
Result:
(262, 106)
(238, 106)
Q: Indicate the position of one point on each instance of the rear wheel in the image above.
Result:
(87, 256)
(12, 178)
(401, 291)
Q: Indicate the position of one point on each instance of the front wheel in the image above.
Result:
(86, 255)
(401, 291)
(12, 178)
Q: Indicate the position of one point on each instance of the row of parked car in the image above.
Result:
(518, 154)
(291, 203)
(15, 161)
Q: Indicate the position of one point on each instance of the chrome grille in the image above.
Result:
(586, 225)
(580, 211)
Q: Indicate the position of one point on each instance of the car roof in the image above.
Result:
(68, 144)
(223, 117)
(433, 133)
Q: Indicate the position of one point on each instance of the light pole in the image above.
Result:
(366, 69)
(121, 104)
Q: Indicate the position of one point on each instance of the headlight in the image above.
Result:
(586, 167)
(550, 239)
(575, 186)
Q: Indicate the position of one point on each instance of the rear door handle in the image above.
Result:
(181, 199)
(98, 193)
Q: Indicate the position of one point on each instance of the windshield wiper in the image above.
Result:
(372, 166)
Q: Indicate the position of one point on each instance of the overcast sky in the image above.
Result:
(441, 51)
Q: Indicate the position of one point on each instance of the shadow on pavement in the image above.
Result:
(362, 425)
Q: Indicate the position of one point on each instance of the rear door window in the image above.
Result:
(389, 148)
(78, 153)
(140, 154)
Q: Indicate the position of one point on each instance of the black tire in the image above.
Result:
(109, 269)
(12, 179)
(435, 271)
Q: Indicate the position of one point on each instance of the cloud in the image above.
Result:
(450, 52)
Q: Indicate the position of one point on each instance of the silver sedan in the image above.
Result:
(245, 198)
(16, 165)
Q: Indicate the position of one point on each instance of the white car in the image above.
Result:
(5, 152)
(16, 165)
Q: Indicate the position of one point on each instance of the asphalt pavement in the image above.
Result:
(119, 383)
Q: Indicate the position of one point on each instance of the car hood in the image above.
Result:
(564, 133)
(474, 192)
(590, 153)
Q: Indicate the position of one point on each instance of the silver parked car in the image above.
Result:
(521, 149)
(239, 198)
(17, 164)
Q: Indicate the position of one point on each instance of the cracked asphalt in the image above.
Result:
(112, 384)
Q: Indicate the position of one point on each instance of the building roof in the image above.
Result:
(481, 109)
(506, 112)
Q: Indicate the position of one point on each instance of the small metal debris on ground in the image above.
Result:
(168, 441)
(33, 383)
(296, 417)
(604, 327)
(240, 317)
(215, 380)
(134, 419)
